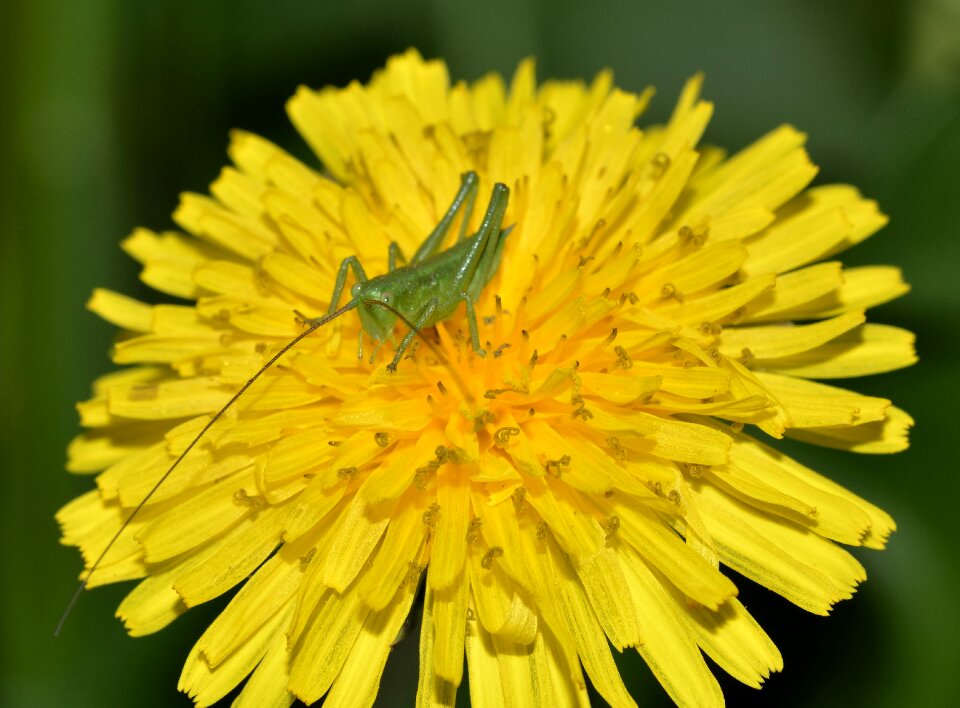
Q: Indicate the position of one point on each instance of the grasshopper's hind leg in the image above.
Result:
(489, 263)
(470, 274)
(464, 199)
(425, 317)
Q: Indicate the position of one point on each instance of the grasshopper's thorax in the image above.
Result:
(377, 321)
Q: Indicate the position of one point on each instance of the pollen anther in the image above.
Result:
(491, 555)
(659, 164)
(242, 498)
(347, 472)
(610, 525)
(517, 498)
(669, 290)
(618, 450)
(553, 467)
(473, 530)
(542, 530)
(431, 515)
(306, 558)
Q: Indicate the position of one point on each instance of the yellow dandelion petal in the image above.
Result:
(559, 466)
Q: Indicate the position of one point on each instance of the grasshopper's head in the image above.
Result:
(377, 320)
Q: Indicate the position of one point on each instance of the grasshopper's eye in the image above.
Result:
(385, 297)
(355, 290)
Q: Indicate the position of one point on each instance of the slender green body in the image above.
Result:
(409, 288)
(431, 286)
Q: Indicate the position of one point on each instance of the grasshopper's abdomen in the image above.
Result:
(435, 278)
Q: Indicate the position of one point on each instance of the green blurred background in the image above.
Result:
(110, 108)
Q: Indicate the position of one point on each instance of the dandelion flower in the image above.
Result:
(580, 489)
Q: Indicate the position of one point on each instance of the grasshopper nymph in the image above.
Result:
(425, 291)
(430, 287)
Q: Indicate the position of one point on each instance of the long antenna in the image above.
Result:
(314, 325)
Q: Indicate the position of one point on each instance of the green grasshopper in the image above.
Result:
(430, 287)
(425, 291)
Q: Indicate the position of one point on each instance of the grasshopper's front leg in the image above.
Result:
(358, 272)
(427, 316)
(424, 319)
